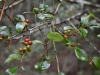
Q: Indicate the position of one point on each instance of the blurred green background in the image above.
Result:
(69, 64)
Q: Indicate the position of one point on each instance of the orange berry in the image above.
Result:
(66, 36)
(30, 42)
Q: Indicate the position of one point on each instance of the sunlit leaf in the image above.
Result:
(55, 36)
(20, 26)
(96, 61)
(5, 33)
(98, 35)
(13, 57)
(67, 27)
(21, 17)
(12, 71)
(85, 19)
(67, 41)
(2, 28)
(45, 65)
(37, 42)
(43, 7)
(37, 66)
(84, 32)
(61, 73)
(22, 68)
(41, 16)
(81, 54)
(49, 16)
(42, 65)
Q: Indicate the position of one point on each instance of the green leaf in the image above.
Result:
(85, 19)
(42, 65)
(45, 65)
(20, 26)
(20, 17)
(67, 27)
(98, 35)
(96, 61)
(4, 33)
(41, 16)
(37, 66)
(61, 73)
(81, 54)
(0, 0)
(90, 15)
(2, 28)
(37, 42)
(35, 10)
(55, 36)
(43, 7)
(67, 41)
(49, 16)
(13, 57)
(12, 71)
(84, 32)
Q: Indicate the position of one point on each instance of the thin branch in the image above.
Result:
(57, 9)
(46, 25)
(14, 4)
(58, 69)
(84, 2)
(2, 11)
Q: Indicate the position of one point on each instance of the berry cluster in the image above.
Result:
(27, 42)
(68, 33)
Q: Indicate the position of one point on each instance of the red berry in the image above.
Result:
(27, 40)
(30, 43)
(74, 34)
(27, 21)
(66, 36)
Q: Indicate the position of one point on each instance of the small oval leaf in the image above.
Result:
(67, 27)
(96, 61)
(98, 35)
(2, 28)
(41, 16)
(20, 26)
(12, 71)
(49, 16)
(37, 42)
(55, 36)
(21, 17)
(42, 65)
(13, 57)
(84, 32)
(81, 54)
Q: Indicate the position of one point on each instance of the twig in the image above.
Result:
(84, 2)
(14, 4)
(47, 25)
(2, 11)
(97, 18)
(56, 57)
(57, 9)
